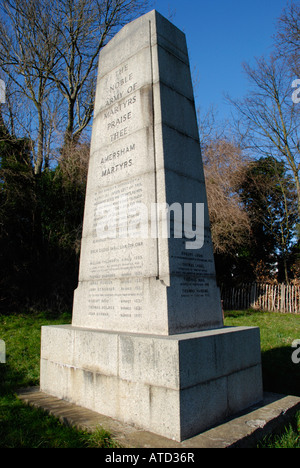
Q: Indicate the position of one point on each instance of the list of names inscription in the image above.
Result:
(116, 259)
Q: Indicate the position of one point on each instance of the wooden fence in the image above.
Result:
(270, 297)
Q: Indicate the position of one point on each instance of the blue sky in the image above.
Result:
(221, 35)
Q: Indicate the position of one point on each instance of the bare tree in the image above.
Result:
(225, 167)
(210, 127)
(24, 27)
(83, 28)
(287, 39)
(267, 118)
(50, 50)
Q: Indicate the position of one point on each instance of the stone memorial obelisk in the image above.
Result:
(147, 344)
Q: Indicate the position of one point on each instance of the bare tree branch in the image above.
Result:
(51, 47)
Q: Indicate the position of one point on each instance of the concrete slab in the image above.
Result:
(243, 431)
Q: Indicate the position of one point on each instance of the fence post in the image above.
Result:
(270, 297)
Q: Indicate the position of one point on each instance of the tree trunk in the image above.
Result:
(38, 166)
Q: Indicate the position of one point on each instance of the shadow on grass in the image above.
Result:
(12, 379)
(280, 374)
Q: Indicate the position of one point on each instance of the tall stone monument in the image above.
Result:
(147, 343)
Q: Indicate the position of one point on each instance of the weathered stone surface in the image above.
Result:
(147, 344)
(175, 386)
(145, 149)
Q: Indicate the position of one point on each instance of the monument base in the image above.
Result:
(175, 386)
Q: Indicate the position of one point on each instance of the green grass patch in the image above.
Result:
(20, 425)
(22, 336)
(277, 333)
(280, 374)
(289, 438)
(24, 427)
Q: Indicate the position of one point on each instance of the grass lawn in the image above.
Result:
(21, 426)
(277, 333)
(280, 374)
